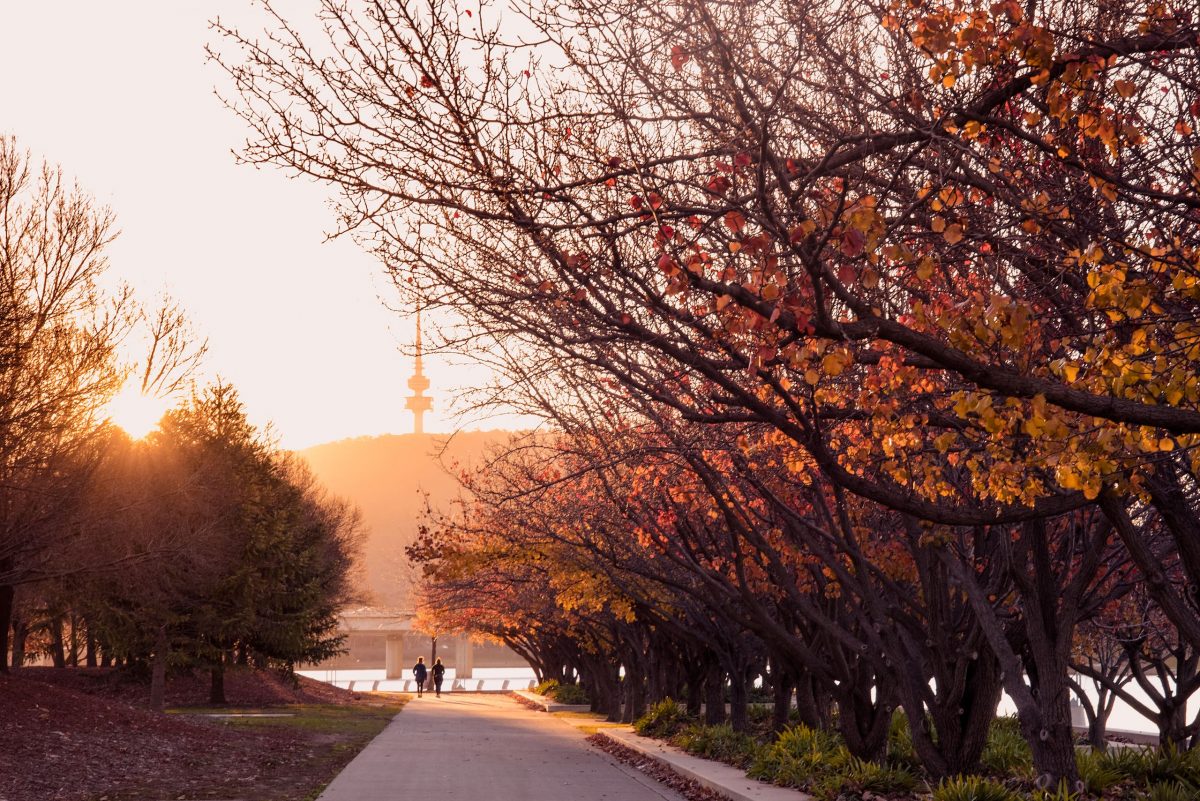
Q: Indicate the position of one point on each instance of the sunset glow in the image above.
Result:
(136, 413)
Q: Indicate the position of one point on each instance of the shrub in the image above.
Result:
(900, 749)
(1095, 771)
(663, 719)
(972, 788)
(1170, 791)
(800, 756)
(1007, 753)
(547, 687)
(721, 743)
(1060, 793)
(570, 694)
(1148, 766)
(857, 777)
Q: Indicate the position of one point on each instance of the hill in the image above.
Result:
(390, 478)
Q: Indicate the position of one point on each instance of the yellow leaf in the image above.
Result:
(834, 363)
(1125, 88)
(954, 234)
(812, 377)
(938, 224)
(1166, 444)
(1069, 479)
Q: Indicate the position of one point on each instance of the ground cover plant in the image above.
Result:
(818, 762)
(563, 693)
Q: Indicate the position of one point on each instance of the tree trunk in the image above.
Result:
(695, 697)
(73, 641)
(57, 651)
(7, 594)
(960, 719)
(20, 633)
(739, 701)
(216, 692)
(635, 695)
(781, 686)
(813, 713)
(864, 722)
(714, 696)
(158, 675)
(90, 646)
(1098, 725)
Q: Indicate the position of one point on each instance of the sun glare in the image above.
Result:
(138, 414)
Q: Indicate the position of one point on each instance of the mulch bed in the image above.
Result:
(523, 701)
(77, 734)
(688, 788)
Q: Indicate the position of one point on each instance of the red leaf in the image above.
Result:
(718, 184)
(679, 57)
(614, 161)
(852, 242)
(742, 160)
(635, 202)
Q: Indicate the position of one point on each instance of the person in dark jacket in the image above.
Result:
(419, 673)
(439, 673)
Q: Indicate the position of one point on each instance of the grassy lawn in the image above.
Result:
(327, 736)
(587, 722)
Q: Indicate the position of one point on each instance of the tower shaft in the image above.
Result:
(418, 403)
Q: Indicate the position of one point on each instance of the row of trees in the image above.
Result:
(870, 326)
(198, 546)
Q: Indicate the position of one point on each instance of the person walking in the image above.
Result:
(439, 673)
(419, 673)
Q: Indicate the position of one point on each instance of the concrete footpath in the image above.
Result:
(470, 746)
(731, 782)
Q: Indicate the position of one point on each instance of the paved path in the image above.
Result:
(474, 747)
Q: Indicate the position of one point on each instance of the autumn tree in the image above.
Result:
(58, 335)
(947, 249)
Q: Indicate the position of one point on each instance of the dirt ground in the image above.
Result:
(86, 735)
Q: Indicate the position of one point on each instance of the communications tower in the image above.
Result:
(417, 403)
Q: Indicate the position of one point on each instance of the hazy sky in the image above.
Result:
(120, 95)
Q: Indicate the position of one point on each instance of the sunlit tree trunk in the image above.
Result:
(7, 595)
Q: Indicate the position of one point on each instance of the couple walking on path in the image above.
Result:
(421, 672)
